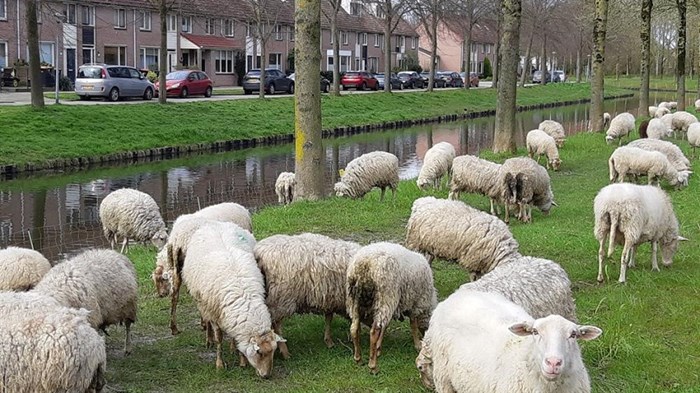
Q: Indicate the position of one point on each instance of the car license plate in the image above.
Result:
(87, 87)
(254, 80)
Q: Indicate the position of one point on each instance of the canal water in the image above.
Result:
(57, 213)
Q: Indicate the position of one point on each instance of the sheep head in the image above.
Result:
(424, 364)
(160, 238)
(260, 352)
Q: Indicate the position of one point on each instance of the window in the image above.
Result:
(376, 40)
(414, 43)
(186, 24)
(88, 55)
(332, 38)
(488, 48)
(362, 38)
(209, 26)
(373, 64)
(402, 42)
(381, 41)
(115, 55)
(483, 48)
(149, 58)
(275, 60)
(172, 23)
(228, 27)
(278, 32)
(291, 33)
(46, 53)
(344, 37)
(380, 12)
(3, 53)
(145, 21)
(355, 8)
(248, 30)
(120, 18)
(3, 16)
(223, 60)
(69, 13)
(474, 48)
(87, 15)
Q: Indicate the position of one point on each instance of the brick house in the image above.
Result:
(451, 50)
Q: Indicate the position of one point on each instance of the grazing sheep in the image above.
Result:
(532, 187)
(284, 187)
(681, 120)
(482, 342)
(606, 120)
(555, 130)
(227, 212)
(473, 175)
(538, 143)
(664, 104)
(457, 232)
(386, 281)
(694, 136)
(672, 152)
(375, 169)
(661, 112)
(672, 105)
(304, 273)
(436, 164)
(229, 290)
(652, 111)
(631, 214)
(620, 126)
(657, 129)
(627, 160)
(132, 214)
(21, 268)
(101, 281)
(48, 348)
(643, 128)
(697, 105)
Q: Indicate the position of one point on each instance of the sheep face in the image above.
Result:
(160, 238)
(555, 163)
(668, 250)
(423, 184)
(555, 344)
(162, 281)
(424, 364)
(341, 189)
(261, 351)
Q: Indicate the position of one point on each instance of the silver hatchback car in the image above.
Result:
(112, 82)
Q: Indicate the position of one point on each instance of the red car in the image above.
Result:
(187, 82)
(360, 80)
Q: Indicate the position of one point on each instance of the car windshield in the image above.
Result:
(405, 74)
(379, 75)
(350, 73)
(177, 75)
(254, 73)
(90, 72)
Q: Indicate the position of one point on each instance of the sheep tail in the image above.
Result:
(614, 218)
(361, 287)
(611, 166)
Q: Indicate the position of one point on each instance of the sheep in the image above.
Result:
(664, 104)
(21, 268)
(48, 348)
(672, 105)
(681, 120)
(635, 161)
(101, 281)
(474, 175)
(132, 214)
(668, 120)
(229, 290)
(436, 164)
(620, 126)
(606, 120)
(657, 129)
(694, 136)
(375, 169)
(555, 130)
(482, 342)
(538, 143)
(529, 184)
(304, 273)
(661, 112)
(284, 187)
(387, 281)
(631, 214)
(643, 128)
(672, 152)
(652, 111)
(697, 105)
(227, 212)
(452, 230)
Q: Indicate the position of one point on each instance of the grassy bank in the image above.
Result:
(655, 83)
(71, 96)
(650, 324)
(78, 131)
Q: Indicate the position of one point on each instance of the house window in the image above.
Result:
(381, 41)
(483, 48)
(3, 53)
(380, 12)
(209, 26)
(228, 27)
(69, 13)
(149, 58)
(172, 23)
(3, 12)
(223, 61)
(355, 8)
(488, 48)
(87, 15)
(46, 53)
(88, 55)
(414, 42)
(275, 61)
(186, 24)
(115, 55)
(332, 38)
(291, 33)
(145, 21)
(402, 42)
(344, 37)
(248, 30)
(278, 32)
(373, 64)
(362, 38)
(376, 40)
(120, 18)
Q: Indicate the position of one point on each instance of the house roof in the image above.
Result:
(483, 32)
(208, 41)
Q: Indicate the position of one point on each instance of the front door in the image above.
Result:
(70, 64)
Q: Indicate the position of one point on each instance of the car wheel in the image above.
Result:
(325, 88)
(148, 94)
(272, 89)
(363, 86)
(113, 94)
(84, 98)
(400, 86)
(291, 88)
(342, 87)
(247, 92)
(376, 87)
(184, 93)
(207, 92)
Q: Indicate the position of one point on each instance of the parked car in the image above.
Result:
(559, 76)
(473, 78)
(325, 83)
(360, 80)
(450, 78)
(411, 79)
(537, 77)
(112, 82)
(275, 80)
(185, 83)
(393, 79)
(437, 82)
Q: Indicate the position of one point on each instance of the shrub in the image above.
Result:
(488, 70)
(152, 76)
(65, 84)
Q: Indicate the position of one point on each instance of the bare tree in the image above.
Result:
(37, 92)
(430, 13)
(331, 14)
(164, 7)
(467, 13)
(681, 52)
(264, 20)
(645, 36)
(391, 13)
(498, 10)
(504, 138)
(598, 59)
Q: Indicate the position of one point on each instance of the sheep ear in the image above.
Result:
(521, 329)
(256, 347)
(279, 339)
(683, 239)
(588, 332)
(555, 204)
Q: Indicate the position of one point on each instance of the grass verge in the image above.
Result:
(655, 83)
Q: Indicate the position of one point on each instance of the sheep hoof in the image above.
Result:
(374, 370)
(329, 343)
(174, 331)
(220, 364)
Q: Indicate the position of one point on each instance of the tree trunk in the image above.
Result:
(698, 73)
(433, 53)
(527, 62)
(680, 54)
(336, 54)
(544, 59)
(163, 52)
(468, 43)
(263, 62)
(645, 35)
(307, 101)
(387, 53)
(598, 60)
(578, 65)
(504, 140)
(499, 31)
(37, 92)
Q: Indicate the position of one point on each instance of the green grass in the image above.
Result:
(62, 96)
(666, 82)
(67, 131)
(650, 325)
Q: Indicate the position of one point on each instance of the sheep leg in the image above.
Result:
(327, 337)
(623, 261)
(375, 342)
(507, 214)
(173, 304)
(654, 263)
(282, 346)
(218, 338)
(355, 333)
(601, 260)
(630, 262)
(127, 339)
(491, 203)
(381, 197)
(415, 332)
(209, 332)
(125, 245)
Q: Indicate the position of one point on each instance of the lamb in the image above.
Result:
(672, 152)
(681, 120)
(101, 281)
(631, 214)
(132, 214)
(436, 164)
(229, 290)
(385, 281)
(304, 273)
(284, 187)
(643, 128)
(606, 119)
(657, 129)
(375, 169)
(635, 161)
(661, 112)
(538, 143)
(620, 126)
(529, 184)
(474, 345)
(474, 175)
(21, 268)
(454, 231)
(48, 348)
(555, 130)
(694, 136)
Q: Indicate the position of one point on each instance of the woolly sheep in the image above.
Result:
(529, 184)
(631, 214)
(555, 130)
(131, 214)
(101, 281)
(672, 105)
(620, 126)
(681, 120)
(473, 175)
(21, 268)
(627, 160)
(386, 281)
(694, 136)
(482, 342)
(48, 348)
(227, 212)
(284, 187)
(657, 129)
(664, 104)
(606, 119)
(304, 273)
(697, 105)
(229, 290)
(652, 111)
(643, 128)
(672, 152)
(538, 143)
(661, 111)
(455, 231)
(375, 169)
(436, 164)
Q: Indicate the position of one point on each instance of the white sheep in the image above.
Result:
(386, 281)
(697, 105)
(21, 268)
(304, 273)
(229, 290)
(694, 136)
(48, 348)
(101, 281)
(626, 160)
(672, 152)
(652, 111)
(681, 120)
(672, 105)
(631, 214)
(668, 120)
(606, 119)
(436, 164)
(474, 175)
(455, 231)
(227, 212)
(538, 143)
(661, 112)
(664, 104)
(284, 187)
(482, 342)
(528, 184)
(555, 130)
(657, 129)
(131, 214)
(621, 125)
(375, 169)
